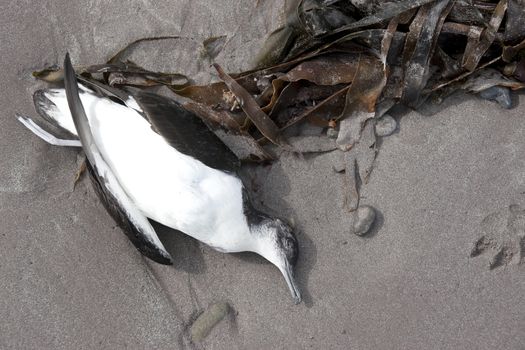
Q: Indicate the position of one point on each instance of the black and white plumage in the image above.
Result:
(149, 158)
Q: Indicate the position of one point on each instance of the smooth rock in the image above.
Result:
(332, 133)
(363, 219)
(386, 125)
(207, 320)
(499, 94)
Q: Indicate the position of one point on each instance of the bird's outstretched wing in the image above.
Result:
(107, 186)
(185, 131)
(180, 128)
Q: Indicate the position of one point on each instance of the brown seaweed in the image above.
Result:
(118, 73)
(419, 47)
(360, 102)
(480, 40)
(515, 23)
(368, 84)
(337, 64)
(263, 123)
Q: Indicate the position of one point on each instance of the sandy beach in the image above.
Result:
(450, 175)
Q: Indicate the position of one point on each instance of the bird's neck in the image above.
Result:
(262, 244)
(255, 220)
(254, 217)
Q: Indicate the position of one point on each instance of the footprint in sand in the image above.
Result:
(503, 237)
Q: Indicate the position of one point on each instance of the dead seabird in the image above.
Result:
(149, 158)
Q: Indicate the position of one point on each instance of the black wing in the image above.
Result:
(136, 237)
(182, 129)
(117, 202)
(185, 131)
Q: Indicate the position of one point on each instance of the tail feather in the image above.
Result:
(51, 105)
(46, 135)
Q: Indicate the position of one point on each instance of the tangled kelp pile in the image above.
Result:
(341, 65)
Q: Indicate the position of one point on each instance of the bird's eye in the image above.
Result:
(290, 249)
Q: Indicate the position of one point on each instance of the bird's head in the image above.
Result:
(277, 243)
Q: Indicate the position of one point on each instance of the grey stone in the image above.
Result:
(332, 133)
(500, 94)
(364, 218)
(70, 280)
(208, 320)
(386, 125)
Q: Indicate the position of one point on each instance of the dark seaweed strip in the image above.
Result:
(360, 100)
(479, 42)
(515, 22)
(419, 48)
(317, 109)
(388, 11)
(510, 51)
(441, 85)
(263, 123)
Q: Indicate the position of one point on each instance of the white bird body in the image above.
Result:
(151, 159)
(200, 201)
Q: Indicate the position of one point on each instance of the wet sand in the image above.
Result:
(445, 179)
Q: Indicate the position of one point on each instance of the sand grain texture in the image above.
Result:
(71, 280)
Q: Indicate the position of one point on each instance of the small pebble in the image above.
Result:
(386, 125)
(207, 320)
(516, 70)
(338, 161)
(510, 68)
(263, 83)
(363, 219)
(499, 94)
(519, 72)
(332, 133)
(338, 167)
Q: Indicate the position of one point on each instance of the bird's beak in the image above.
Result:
(288, 274)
